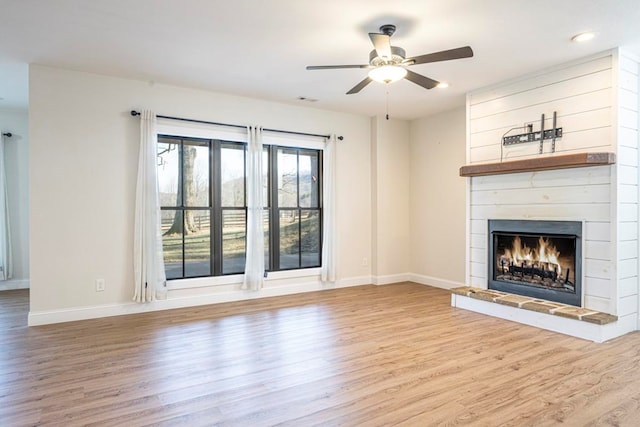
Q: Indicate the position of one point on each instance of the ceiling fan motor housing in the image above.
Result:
(397, 57)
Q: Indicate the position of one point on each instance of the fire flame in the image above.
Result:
(545, 255)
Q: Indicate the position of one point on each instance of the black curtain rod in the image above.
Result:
(8, 134)
(137, 113)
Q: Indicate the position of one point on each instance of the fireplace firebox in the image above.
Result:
(540, 259)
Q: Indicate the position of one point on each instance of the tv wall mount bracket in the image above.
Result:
(541, 135)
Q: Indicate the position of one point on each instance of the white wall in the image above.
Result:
(16, 163)
(83, 158)
(418, 200)
(589, 96)
(390, 200)
(627, 115)
(437, 211)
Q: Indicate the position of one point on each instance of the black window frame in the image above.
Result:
(271, 206)
(275, 209)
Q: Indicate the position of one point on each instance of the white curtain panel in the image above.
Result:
(254, 266)
(5, 233)
(150, 278)
(328, 270)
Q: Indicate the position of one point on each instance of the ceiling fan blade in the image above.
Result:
(335, 67)
(445, 55)
(357, 88)
(382, 44)
(421, 80)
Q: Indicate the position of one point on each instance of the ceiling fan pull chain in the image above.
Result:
(387, 101)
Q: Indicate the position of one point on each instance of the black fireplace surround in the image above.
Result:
(549, 277)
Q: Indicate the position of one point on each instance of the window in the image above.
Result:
(202, 186)
(186, 208)
(297, 207)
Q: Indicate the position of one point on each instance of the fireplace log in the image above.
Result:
(523, 270)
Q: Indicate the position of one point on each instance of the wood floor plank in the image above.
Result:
(368, 355)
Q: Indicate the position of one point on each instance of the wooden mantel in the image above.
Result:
(566, 161)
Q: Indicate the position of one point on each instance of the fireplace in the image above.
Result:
(540, 259)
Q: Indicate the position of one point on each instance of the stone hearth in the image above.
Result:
(536, 304)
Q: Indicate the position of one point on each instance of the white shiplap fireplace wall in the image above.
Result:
(596, 99)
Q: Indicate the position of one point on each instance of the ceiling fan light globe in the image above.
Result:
(387, 73)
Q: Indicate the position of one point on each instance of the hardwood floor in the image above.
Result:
(369, 355)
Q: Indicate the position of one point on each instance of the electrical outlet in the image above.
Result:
(100, 284)
(365, 261)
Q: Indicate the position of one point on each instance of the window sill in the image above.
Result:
(236, 279)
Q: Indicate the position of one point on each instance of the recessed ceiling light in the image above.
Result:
(442, 85)
(583, 37)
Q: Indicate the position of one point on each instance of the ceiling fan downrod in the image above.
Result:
(388, 29)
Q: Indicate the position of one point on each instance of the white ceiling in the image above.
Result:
(260, 48)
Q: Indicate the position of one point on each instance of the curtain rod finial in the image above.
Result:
(340, 138)
(7, 134)
(134, 113)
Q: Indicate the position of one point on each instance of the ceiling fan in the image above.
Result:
(388, 63)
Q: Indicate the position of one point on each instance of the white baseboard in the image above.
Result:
(572, 327)
(434, 281)
(107, 310)
(392, 278)
(354, 281)
(8, 285)
(94, 312)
